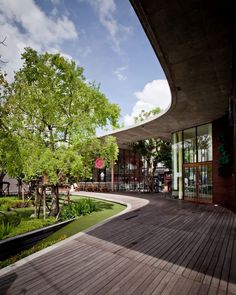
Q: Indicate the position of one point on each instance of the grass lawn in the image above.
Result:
(105, 210)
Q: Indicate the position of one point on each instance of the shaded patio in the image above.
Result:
(163, 247)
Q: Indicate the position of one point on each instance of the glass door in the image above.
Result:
(198, 182)
(205, 183)
(190, 182)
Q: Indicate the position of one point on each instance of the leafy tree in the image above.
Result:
(154, 150)
(55, 113)
(110, 155)
(9, 146)
(111, 150)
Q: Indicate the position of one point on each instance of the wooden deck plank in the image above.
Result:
(84, 274)
(59, 274)
(169, 247)
(133, 284)
(198, 256)
(209, 261)
(193, 240)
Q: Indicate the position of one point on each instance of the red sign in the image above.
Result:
(99, 163)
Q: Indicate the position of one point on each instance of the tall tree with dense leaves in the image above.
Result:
(153, 151)
(56, 113)
(10, 162)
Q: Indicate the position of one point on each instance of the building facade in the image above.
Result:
(195, 44)
(131, 173)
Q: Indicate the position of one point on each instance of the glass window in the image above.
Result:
(190, 155)
(204, 143)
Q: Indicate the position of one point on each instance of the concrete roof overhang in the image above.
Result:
(192, 40)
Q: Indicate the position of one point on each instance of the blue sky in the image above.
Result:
(104, 37)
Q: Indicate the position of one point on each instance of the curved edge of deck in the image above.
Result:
(131, 204)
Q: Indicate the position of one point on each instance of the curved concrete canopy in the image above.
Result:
(192, 41)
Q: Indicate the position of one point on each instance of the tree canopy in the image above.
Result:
(54, 113)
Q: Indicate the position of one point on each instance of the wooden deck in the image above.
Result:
(165, 247)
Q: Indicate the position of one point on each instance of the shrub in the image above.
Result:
(25, 213)
(7, 203)
(5, 229)
(81, 207)
(11, 217)
(5, 207)
(8, 222)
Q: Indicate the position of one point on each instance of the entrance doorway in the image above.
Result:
(198, 182)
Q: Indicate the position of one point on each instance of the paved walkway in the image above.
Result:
(159, 247)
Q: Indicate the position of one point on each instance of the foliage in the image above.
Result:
(147, 115)
(153, 151)
(53, 114)
(30, 251)
(9, 150)
(18, 220)
(28, 225)
(76, 209)
(5, 229)
(8, 202)
(24, 212)
(110, 151)
(11, 217)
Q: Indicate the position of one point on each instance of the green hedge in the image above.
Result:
(11, 202)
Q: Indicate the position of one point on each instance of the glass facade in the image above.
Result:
(130, 174)
(192, 167)
(204, 143)
(189, 144)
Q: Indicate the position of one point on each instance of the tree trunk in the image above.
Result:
(44, 203)
(2, 175)
(19, 180)
(112, 177)
(55, 201)
(40, 196)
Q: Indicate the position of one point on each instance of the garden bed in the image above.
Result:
(14, 245)
(98, 211)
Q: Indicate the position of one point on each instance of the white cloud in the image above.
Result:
(120, 73)
(25, 24)
(106, 10)
(154, 94)
(63, 54)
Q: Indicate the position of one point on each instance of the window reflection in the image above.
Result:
(204, 143)
(190, 146)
